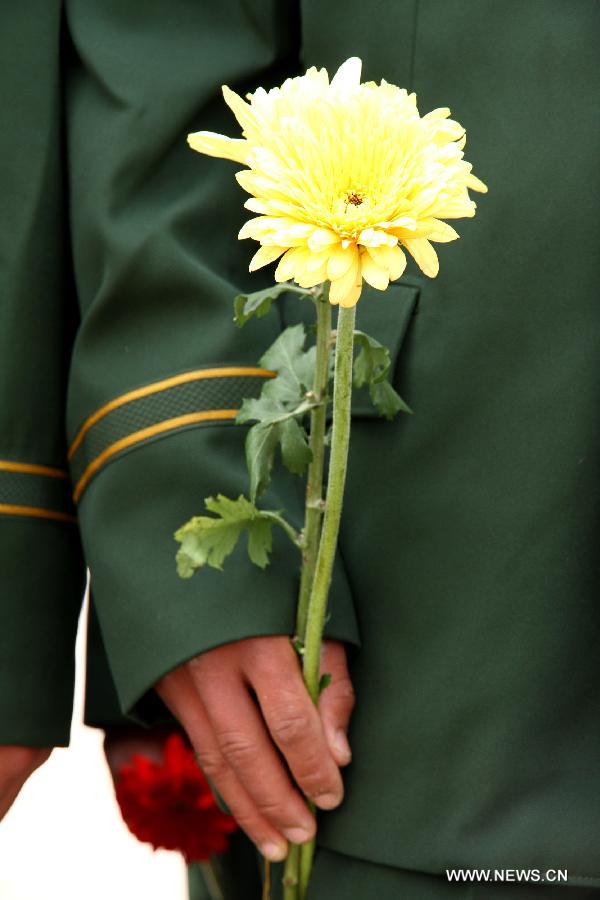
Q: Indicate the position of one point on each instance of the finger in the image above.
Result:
(246, 746)
(8, 797)
(17, 764)
(295, 724)
(178, 692)
(336, 701)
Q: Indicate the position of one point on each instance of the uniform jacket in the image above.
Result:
(467, 574)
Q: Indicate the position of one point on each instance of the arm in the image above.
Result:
(41, 569)
(159, 369)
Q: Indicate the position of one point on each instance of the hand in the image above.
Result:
(16, 765)
(248, 715)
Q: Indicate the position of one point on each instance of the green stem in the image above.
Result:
(212, 880)
(314, 487)
(312, 518)
(342, 397)
(290, 873)
(266, 891)
(283, 523)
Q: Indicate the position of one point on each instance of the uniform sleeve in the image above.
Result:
(159, 370)
(41, 569)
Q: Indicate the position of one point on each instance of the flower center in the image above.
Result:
(355, 198)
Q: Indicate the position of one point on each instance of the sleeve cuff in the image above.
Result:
(153, 621)
(41, 589)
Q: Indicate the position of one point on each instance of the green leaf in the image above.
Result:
(387, 400)
(258, 304)
(261, 443)
(298, 646)
(209, 540)
(371, 367)
(295, 452)
(324, 681)
(261, 409)
(279, 410)
(294, 366)
(260, 541)
(372, 362)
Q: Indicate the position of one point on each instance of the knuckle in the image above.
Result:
(212, 763)
(290, 726)
(317, 780)
(273, 810)
(236, 748)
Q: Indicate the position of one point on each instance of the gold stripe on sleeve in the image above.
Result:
(144, 434)
(165, 384)
(31, 469)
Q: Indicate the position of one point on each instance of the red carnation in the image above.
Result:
(170, 805)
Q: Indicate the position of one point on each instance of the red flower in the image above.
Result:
(170, 804)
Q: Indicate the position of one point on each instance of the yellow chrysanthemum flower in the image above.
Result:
(344, 176)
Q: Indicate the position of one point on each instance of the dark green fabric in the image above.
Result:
(238, 872)
(42, 585)
(339, 877)
(41, 570)
(469, 539)
(478, 677)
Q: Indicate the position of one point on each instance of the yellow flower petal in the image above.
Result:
(340, 260)
(374, 275)
(341, 287)
(351, 298)
(342, 175)
(440, 232)
(294, 260)
(317, 261)
(241, 110)
(310, 279)
(264, 256)
(372, 237)
(397, 262)
(424, 255)
(390, 258)
(348, 74)
(475, 184)
(257, 206)
(322, 237)
(218, 145)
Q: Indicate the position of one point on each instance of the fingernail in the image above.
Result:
(297, 835)
(328, 801)
(340, 742)
(274, 852)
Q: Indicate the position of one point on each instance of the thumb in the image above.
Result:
(336, 701)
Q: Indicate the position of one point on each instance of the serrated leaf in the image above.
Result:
(209, 540)
(295, 452)
(260, 409)
(371, 367)
(261, 443)
(260, 541)
(294, 366)
(258, 304)
(372, 362)
(387, 400)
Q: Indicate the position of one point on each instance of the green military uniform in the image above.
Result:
(467, 569)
